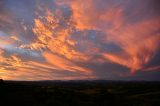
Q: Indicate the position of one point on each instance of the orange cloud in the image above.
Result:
(15, 38)
(53, 36)
(64, 64)
(110, 21)
(1, 53)
(86, 16)
(11, 62)
(38, 71)
(151, 68)
(138, 41)
(75, 32)
(5, 41)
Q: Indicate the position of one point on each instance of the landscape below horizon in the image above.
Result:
(80, 93)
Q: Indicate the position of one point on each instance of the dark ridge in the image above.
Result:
(79, 93)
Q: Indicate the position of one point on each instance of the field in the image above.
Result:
(79, 93)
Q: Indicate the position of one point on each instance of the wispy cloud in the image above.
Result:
(71, 39)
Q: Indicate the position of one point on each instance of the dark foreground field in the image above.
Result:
(80, 93)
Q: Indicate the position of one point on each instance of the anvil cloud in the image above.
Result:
(75, 39)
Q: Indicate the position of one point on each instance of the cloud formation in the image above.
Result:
(71, 39)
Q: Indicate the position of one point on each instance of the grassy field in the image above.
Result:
(79, 93)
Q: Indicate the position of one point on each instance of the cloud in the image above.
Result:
(112, 20)
(71, 39)
(65, 64)
(9, 63)
(145, 35)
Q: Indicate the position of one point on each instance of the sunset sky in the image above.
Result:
(80, 39)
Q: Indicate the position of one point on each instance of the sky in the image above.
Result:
(80, 40)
